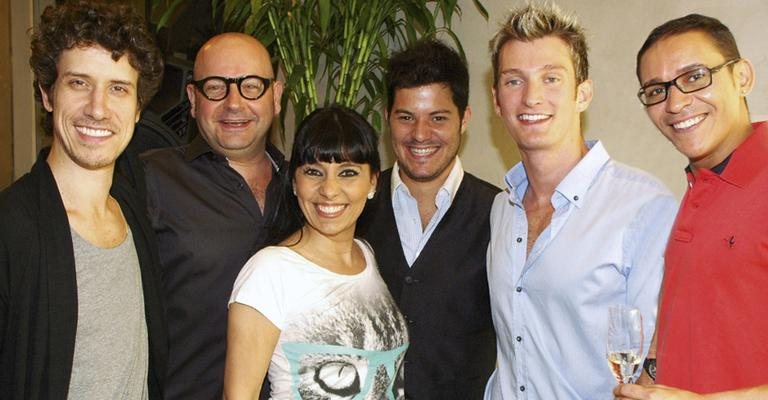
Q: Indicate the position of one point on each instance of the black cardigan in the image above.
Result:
(443, 295)
(38, 289)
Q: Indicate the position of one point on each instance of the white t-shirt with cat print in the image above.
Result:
(341, 336)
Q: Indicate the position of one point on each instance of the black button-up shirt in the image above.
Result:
(208, 224)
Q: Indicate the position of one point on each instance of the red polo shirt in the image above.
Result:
(713, 318)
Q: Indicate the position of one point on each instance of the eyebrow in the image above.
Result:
(547, 67)
(87, 76)
(435, 112)
(678, 72)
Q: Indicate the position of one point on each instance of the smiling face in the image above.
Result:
(234, 127)
(537, 95)
(706, 125)
(94, 107)
(332, 196)
(426, 130)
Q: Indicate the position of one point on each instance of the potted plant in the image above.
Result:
(333, 51)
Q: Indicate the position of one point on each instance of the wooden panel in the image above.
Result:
(6, 121)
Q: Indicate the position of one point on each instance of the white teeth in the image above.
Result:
(532, 117)
(330, 209)
(93, 132)
(688, 122)
(419, 151)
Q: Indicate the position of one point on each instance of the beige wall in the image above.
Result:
(616, 30)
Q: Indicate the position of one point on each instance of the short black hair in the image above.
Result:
(425, 62)
(721, 36)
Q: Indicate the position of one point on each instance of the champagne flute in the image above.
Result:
(625, 341)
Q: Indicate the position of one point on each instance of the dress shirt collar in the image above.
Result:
(573, 188)
(199, 146)
(450, 186)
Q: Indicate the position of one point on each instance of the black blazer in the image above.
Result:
(444, 295)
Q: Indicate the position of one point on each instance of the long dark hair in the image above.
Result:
(332, 134)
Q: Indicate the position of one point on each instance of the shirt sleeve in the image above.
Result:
(645, 243)
(261, 285)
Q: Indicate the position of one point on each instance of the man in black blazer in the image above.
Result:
(428, 225)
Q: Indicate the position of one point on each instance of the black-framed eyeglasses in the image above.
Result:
(216, 88)
(688, 82)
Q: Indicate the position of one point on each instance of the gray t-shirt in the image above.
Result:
(111, 348)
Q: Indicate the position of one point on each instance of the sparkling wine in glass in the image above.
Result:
(625, 341)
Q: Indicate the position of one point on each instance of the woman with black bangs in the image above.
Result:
(311, 310)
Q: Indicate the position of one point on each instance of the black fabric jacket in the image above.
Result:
(38, 288)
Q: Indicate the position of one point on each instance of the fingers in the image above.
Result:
(630, 392)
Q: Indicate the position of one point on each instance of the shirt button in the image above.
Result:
(522, 388)
(519, 339)
(518, 289)
(575, 198)
(519, 240)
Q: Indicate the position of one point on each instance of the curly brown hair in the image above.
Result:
(112, 25)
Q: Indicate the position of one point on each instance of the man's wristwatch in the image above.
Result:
(649, 365)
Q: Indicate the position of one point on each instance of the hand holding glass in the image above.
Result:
(625, 341)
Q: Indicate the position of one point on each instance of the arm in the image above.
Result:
(646, 242)
(251, 340)
(661, 392)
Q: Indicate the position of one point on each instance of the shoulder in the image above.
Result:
(628, 190)
(634, 181)
(17, 205)
(163, 157)
(23, 196)
(478, 184)
(271, 260)
(477, 191)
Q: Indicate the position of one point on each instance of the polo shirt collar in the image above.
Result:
(746, 162)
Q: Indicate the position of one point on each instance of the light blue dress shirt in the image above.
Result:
(604, 245)
(412, 237)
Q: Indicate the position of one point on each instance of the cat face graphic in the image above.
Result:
(353, 351)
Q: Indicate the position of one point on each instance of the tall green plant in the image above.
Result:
(335, 51)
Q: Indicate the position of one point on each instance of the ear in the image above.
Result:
(47, 102)
(744, 74)
(584, 95)
(277, 95)
(465, 119)
(191, 96)
(495, 99)
(374, 180)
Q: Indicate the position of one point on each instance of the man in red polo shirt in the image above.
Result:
(712, 330)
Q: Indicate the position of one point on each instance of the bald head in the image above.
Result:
(224, 51)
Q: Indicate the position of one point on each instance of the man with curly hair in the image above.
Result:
(81, 315)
